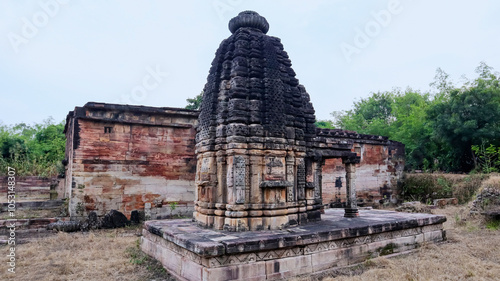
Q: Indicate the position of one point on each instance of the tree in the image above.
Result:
(399, 115)
(368, 116)
(468, 116)
(33, 149)
(195, 103)
(411, 128)
(456, 129)
(442, 82)
(325, 124)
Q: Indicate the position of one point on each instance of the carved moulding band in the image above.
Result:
(275, 184)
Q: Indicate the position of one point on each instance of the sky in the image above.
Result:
(58, 54)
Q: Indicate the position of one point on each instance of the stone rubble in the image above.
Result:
(487, 203)
(113, 219)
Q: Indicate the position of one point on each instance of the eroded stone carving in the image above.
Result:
(239, 178)
(301, 179)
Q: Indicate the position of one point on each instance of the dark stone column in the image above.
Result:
(351, 209)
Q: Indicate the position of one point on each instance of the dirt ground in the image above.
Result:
(472, 252)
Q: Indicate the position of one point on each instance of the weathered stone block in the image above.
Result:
(325, 260)
(288, 267)
(435, 236)
(255, 272)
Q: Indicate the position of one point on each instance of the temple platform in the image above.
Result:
(190, 252)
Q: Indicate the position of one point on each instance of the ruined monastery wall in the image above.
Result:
(130, 158)
(377, 175)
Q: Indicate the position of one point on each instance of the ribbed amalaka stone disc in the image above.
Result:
(251, 89)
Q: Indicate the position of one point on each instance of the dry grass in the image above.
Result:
(100, 255)
(426, 187)
(471, 253)
(492, 182)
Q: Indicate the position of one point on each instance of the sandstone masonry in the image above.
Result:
(143, 158)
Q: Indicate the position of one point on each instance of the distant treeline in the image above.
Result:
(33, 150)
(456, 128)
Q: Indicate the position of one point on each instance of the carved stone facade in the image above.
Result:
(257, 135)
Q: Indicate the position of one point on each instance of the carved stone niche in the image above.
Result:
(309, 174)
(274, 184)
(203, 183)
(274, 168)
(239, 179)
(301, 179)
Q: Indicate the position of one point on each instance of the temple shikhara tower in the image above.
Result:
(259, 154)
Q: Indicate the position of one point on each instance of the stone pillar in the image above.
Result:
(318, 179)
(351, 209)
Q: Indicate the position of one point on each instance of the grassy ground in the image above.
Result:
(99, 255)
(471, 253)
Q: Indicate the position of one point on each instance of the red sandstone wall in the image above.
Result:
(148, 160)
(133, 165)
(380, 169)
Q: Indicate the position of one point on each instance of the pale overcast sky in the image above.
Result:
(55, 55)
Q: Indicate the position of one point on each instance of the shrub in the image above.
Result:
(427, 187)
(33, 150)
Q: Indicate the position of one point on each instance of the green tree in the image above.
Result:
(452, 130)
(487, 158)
(372, 115)
(411, 128)
(468, 116)
(33, 150)
(325, 124)
(399, 115)
(195, 103)
(442, 81)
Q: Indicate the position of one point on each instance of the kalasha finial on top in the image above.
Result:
(249, 19)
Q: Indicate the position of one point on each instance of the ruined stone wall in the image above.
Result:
(130, 158)
(147, 162)
(31, 188)
(377, 175)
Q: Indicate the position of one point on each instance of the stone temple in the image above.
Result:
(259, 158)
(258, 204)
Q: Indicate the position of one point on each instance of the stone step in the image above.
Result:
(35, 205)
(26, 235)
(27, 229)
(27, 224)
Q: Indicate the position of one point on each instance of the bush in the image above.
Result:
(427, 187)
(33, 150)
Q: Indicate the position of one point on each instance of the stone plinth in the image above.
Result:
(190, 252)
